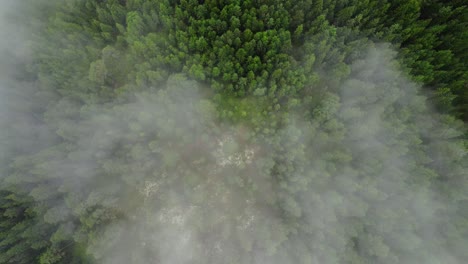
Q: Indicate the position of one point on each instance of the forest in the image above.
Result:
(215, 131)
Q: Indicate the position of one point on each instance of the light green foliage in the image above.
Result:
(248, 131)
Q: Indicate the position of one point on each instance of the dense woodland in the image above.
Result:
(256, 131)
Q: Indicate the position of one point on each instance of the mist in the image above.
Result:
(371, 173)
(198, 192)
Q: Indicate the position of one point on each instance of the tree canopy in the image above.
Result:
(256, 131)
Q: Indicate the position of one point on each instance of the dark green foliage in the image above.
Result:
(257, 131)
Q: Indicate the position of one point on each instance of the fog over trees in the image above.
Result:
(257, 131)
